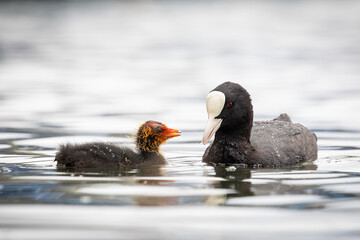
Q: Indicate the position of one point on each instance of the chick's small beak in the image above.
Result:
(170, 133)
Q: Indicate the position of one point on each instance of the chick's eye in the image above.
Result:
(159, 130)
(229, 105)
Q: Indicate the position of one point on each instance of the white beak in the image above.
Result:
(215, 102)
(212, 126)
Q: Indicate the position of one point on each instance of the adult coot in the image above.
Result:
(99, 155)
(272, 143)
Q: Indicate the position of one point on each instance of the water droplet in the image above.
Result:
(231, 169)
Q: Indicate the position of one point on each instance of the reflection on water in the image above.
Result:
(79, 71)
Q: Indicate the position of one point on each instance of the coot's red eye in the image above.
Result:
(229, 105)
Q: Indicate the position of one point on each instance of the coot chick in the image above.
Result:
(99, 155)
(278, 142)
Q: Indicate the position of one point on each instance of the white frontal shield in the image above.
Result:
(215, 102)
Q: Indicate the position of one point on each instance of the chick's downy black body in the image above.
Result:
(239, 140)
(100, 155)
(104, 155)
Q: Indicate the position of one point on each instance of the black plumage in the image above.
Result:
(239, 140)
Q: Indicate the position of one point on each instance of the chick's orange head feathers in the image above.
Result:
(161, 131)
(152, 134)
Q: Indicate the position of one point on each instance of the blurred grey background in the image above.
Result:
(104, 66)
